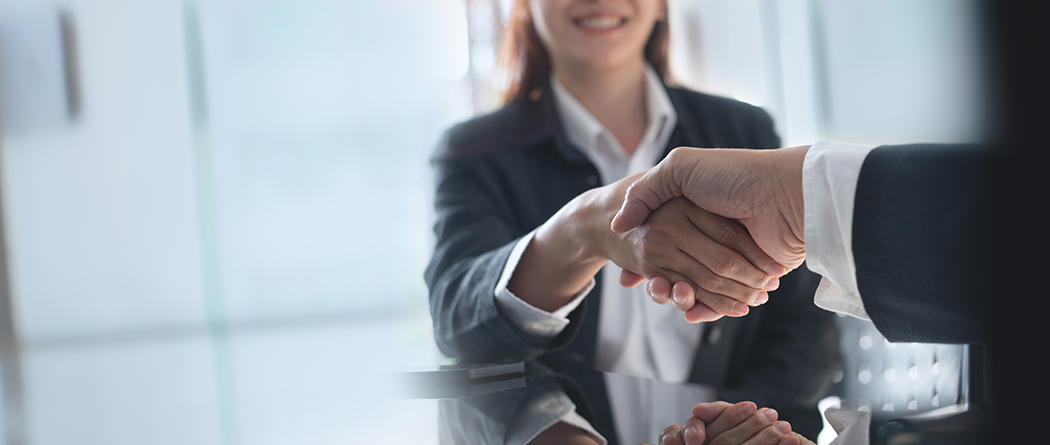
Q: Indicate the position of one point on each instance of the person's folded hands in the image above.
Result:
(722, 423)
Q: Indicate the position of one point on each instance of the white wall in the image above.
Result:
(319, 119)
(103, 241)
(857, 71)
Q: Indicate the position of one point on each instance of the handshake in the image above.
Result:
(712, 230)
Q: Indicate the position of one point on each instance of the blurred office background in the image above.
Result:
(216, 213)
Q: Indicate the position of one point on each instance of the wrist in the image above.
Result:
(791, 198)
(587, 223)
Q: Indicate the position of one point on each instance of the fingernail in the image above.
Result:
(771, 414)
(748, 408)
(761, 299)
(772, 284)
(783, 427)
(678, 298)
(776, 269)
(690, 431)
(740, 309)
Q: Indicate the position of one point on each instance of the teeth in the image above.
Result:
(600, 22)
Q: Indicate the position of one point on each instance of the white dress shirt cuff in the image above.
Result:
(829, 185)
(536, 325)
(575, 419)
(543, 412)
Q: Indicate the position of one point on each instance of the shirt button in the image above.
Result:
(592, 180)
(714, 336)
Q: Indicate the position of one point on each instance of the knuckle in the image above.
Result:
(649, 256)
(711, 282)
(769, 434)
(722, 439)
(752, 294)
(715, 302)
(676, 153)
(647, 246)
(726, 234)
(725, 264)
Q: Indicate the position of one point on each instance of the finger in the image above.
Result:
(730, 418)
(700, 313)
(682, 296)
(721, 305)
(733, 235)
(685, 300)
(684, 262)
(693, 431)
(719, 269)
(754, 430)
(671, 435)
(793, 439)
(771, 435)
(646, 194)
(630, 279)
(796, 439)
(659, 290)
(709, 411)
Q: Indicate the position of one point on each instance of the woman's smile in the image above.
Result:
(600, 23)
(596, 34)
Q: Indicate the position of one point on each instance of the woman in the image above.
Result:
(523, 226)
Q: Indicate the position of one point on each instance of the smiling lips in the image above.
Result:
(600, 22)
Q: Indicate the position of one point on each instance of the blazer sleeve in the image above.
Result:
(919, 239)
(476, 229)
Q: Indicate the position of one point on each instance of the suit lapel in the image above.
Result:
(687, 131)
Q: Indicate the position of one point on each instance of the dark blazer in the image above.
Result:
(501, 175)
(920, 242)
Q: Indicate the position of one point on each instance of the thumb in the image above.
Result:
(654, 188)
(632, 214)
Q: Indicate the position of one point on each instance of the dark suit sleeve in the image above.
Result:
(919, 242)
(476, 230)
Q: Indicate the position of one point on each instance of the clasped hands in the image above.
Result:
(722, 225)
(676, 218)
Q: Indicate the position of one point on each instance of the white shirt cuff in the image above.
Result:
(544, 412)
(829, 186)
(536, 325)
(831, 298)
(575, 419)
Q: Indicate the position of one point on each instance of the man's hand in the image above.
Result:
(760, 188)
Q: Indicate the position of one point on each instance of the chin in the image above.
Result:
(611, 60)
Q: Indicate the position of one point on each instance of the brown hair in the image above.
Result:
(525, 62)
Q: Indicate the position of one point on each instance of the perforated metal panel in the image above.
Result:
(895, 380)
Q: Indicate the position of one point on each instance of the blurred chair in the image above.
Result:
(916, 392)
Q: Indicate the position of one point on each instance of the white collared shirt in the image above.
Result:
(635, 336)
(829, 186)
